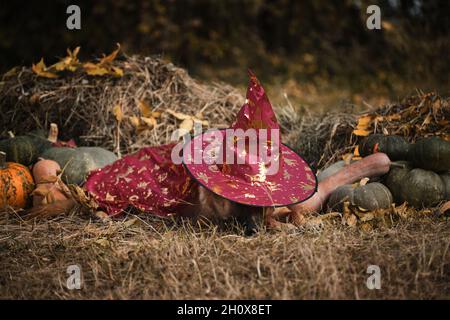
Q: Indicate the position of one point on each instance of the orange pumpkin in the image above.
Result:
(49, 187)
(16, 184)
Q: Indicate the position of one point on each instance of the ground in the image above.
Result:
(139, 257)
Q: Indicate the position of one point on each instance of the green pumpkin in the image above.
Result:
(25, 149)
(76, 163)
(394, 180)
(371, 196)
(395, 147)
(446, 180)
(339, 196)
(419, 187)
(431, 154)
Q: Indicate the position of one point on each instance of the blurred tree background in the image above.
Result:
(309, 41)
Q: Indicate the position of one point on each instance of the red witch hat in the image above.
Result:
(248, 163)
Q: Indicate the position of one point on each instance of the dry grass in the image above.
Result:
(141, 257)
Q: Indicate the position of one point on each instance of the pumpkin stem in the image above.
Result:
(53, 133)
(398, 165)
(2, 160)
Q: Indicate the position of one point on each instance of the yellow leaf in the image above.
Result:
(135, 121)
(187, 124)
(156, 114)
(179, 115)
(366, 227)
(93, 69)
(110, 58)
(74, 53)
(41, 70)
(356, 152)
(130, 222)
(151, 122)
(117, 111)
(364, 122)
(394, 117)
(115, 71)
(203, 122)
(70, 62)
(146, 110)
(361, 133)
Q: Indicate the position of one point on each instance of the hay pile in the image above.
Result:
(83, 105)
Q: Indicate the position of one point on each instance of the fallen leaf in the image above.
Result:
(118, 113)
(110, 58)
(70, 62)
(151, 122)
(361, 132)
(351, 220)
(179, 115)
(444, 208)
(116, 71)
(366, 227)
(363, 181)
(364, 122)
(93, 69)
(41, 70)
(135, 121)
(130, 222)
(187, 124)
(146, 110)
(102, 215)
(367, 217)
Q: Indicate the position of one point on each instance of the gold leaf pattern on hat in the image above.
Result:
(109, 197)
(203, 176)
(261, 176)
(289, 162)
(272, 186)
(142, 185)
(232, 184)
(213, 168)
(134, 198)
(310, 177)
(162, 177)
(306, 187)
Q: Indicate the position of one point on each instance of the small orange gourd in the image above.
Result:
(49, 188)
(16, 184)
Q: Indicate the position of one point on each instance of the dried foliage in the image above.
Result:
(87, 106)
(325, 138)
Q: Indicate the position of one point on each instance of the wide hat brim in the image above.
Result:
(296, 183)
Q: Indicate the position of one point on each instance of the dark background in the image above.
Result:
(308, 41)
